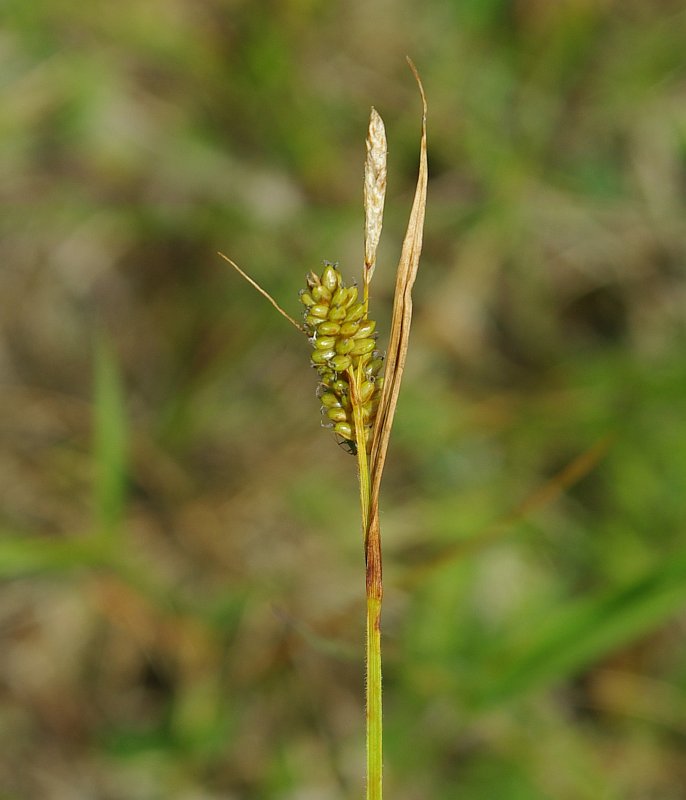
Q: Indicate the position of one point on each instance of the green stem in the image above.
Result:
(374, 592)
(374, 715)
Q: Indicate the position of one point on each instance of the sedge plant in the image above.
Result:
(358, 395)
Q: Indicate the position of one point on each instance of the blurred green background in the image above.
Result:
(181, 606)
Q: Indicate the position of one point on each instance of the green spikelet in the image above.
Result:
(343, 340)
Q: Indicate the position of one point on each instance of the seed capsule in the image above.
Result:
(340, 362)
(322, 356)
(352, 295)
(344, 429)
(337, 314)
(328, 328)
(337, 414)
(362, 346)
(321, 294)
(365, 329)
(306, 298)
(330, 400)
(344, 346)
(339, 297)
(373, 367)
(367, 390)
(340, 387)
(330, 278)
(349, 328)
(353, 314)
(319, 310)
(325, 342)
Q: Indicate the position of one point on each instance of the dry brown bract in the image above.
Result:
(402, 319)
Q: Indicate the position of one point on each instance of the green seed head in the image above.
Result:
(343, 343)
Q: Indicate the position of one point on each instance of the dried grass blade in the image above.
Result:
(263, 292)
(402, 313)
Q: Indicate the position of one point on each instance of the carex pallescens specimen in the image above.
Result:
(357, 402)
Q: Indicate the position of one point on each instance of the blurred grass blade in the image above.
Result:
(20, 556)
(590, 629)
(426, 557)
(110, 440)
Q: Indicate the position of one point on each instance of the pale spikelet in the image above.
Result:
(374, 191)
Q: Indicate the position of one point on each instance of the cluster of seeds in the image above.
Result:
(344, 342)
